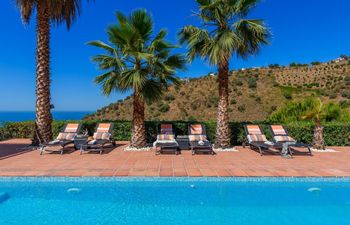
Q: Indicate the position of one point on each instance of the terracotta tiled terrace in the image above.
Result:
(117, 162)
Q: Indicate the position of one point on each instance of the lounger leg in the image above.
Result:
(42, 149)
(260, 150)
(290, 150)
(101, 152)
(310, 151)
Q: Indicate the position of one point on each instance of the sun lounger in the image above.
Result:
(199, 142)
(166, 142)
(102, 137)
(280, 135)
(64, 138)
(256, 139)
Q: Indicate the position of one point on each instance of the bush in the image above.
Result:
(238, 82)
(347, 80)
(164, 108)
(241, 108)
(288, 94)
(233, 101)
(345, 94)
(252, 82)
(335, 134)
(169, 97)
(315, 63)
(274, 66)
(332, 95)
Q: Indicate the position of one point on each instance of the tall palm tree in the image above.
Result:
(225, 32)
(136, 61)
(47, 12)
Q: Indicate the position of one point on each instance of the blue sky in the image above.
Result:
(303, 31)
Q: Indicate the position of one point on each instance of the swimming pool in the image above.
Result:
(246, 201)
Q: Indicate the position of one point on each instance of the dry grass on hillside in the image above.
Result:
(255, 93)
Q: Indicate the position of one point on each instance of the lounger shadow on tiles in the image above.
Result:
(256, 139)
(166, 142)
(280, 135)
(102, 139)
(64, 138)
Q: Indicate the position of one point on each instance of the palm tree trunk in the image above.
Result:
(43, 131)
(222, 130)
(318, 140)
(138, 131)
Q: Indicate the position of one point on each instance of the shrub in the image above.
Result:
(169, 97)
(344, 103)
(273, 108)
(293, 65)
(241, 108)
(332, 95)
(345, 94)
(335, 134)
(274, 66)
(315, 63)
(252, 82)
(287, 93)
(164, 108)
(233, 101)
(347, 80)
(214, 100)
(238, 82)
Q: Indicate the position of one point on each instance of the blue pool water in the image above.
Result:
(265, 201)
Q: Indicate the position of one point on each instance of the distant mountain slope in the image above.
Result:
(255, 93)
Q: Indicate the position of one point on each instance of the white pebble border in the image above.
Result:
(321, 150)
(146, 149)
(225, 149)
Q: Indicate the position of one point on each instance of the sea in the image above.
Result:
(25, 116)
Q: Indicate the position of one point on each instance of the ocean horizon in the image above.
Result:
(19, 116)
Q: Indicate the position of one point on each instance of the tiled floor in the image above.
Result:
(117, 162)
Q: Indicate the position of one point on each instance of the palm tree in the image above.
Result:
(136, 61)
(47, 12)
(319, 112)
(225, 32)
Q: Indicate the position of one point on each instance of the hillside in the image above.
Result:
(255, 93)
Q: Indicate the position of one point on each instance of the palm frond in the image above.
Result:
(135, 61)
(26, 8)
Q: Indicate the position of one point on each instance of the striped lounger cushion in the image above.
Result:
(102, 136)
(197, 137)
(103, 128)
(166, 129)
(256, 138)
(283, 139)
(253, 129)
(196, 129)
(165, 137)
(66, 136)
(71, 128)
(278, 130)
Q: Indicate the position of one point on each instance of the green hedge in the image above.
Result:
(336, 134)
